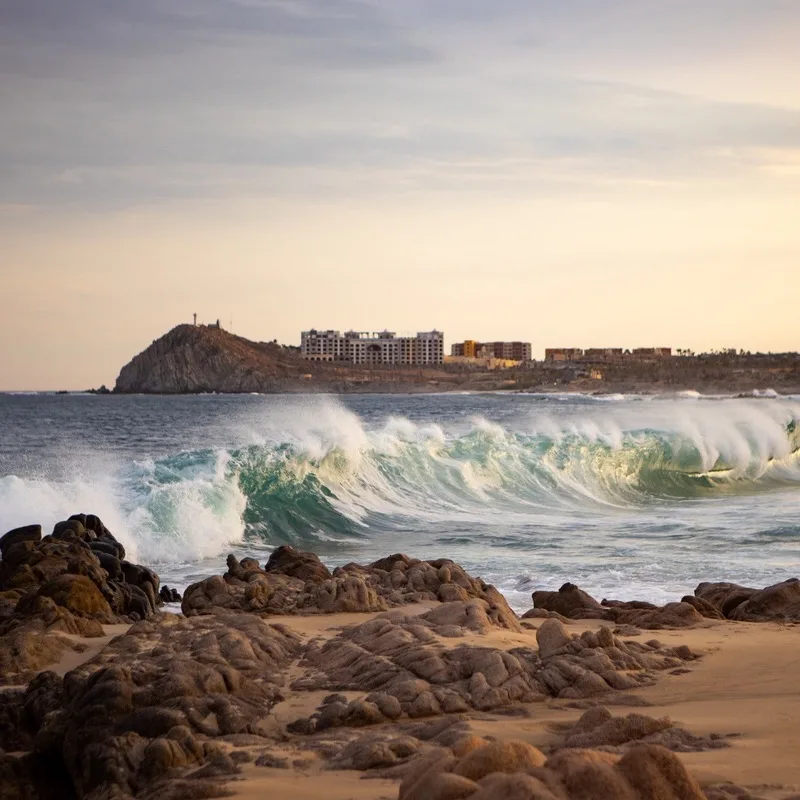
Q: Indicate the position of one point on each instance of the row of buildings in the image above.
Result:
(427, 349)
(604, 354)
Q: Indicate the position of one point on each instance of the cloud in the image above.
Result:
(117, 103)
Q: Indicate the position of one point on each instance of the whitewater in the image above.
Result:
(628, 496)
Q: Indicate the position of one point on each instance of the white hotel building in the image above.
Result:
(383, 347)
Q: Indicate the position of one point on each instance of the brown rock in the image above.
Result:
(79, 595)
(508, 756)
(296, 564)
(654, 772)
(568, 600)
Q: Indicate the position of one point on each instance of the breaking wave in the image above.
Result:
(327, 477)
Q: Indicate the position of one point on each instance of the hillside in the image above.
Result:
(191, 359)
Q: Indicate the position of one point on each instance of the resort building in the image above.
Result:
(563, 354)
(382, 347)
(507, 351)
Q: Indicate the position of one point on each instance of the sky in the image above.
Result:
(584, 173)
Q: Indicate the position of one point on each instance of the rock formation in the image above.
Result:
(70, 582)
(178, 705)
(293, 582)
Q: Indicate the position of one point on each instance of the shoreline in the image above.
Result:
(290, 678)
(705, 392)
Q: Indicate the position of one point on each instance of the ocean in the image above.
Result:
(630, 497)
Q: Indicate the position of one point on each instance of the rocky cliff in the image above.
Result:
(200, 359)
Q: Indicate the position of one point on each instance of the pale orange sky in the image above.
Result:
(572, 174)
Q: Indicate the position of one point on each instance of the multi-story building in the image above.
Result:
(563, 354)
(383, 347)
(508, 351)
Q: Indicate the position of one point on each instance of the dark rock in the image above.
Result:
(725, 597)
(70, 528)
(296, 564)
(28, 533)
(169, 595)
(568, 599)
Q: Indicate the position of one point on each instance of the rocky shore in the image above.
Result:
(401, 679)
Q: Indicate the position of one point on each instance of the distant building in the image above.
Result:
(603, 354)
(563, 354)
(652, 352)
(507, 351)
(383, 347)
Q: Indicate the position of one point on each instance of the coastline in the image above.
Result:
(414, 675)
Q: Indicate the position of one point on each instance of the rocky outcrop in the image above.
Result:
(408, 671)
(711, 601)
(294, 582)
(777, 603)
(197, 358)
(70, 582)
(573, 603)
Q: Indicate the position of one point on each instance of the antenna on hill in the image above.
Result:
(195, 319)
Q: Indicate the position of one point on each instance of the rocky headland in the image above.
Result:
(287, 679)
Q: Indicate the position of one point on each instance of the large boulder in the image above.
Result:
(79, 595)
(568, 600)
(297, 564)
(724, 597)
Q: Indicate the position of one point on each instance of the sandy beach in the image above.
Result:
(402, 679)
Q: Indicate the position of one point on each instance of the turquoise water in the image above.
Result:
(628, 496)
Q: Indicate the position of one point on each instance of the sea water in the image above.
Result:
(628, 496)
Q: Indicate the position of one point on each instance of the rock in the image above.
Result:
(566, 601)
(504, 756)
(653, 771)
(79, 595)
(28, 533)
(79, 568)
(26, 649)
(551, 637)
(572, 602)
(294, 582)
(146, 706)
(296, 564)
(169, 595)
(703, 607)
(517, 771)
(724, 597)
(779, 603)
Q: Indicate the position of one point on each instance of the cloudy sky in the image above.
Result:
(568, 172)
